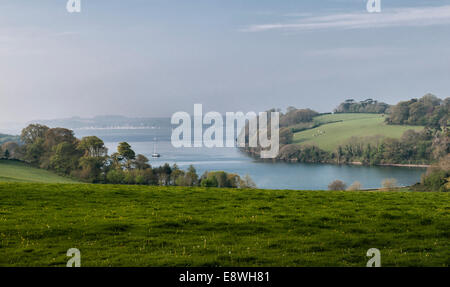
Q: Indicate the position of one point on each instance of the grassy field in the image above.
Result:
(115, 225)
(338, 128)
(13, 171)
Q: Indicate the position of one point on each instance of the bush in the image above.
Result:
(130, 177)
(247, 182)
(389, 183)
(355, 186)
(436, 180)
(337, 185)
(209, 182)
(115, 176)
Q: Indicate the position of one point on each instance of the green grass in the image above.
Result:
(349, 125)
(14, 171)
(115, 225)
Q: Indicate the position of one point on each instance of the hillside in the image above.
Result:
(6, 138)
(336, 129)
(114, 225)
(13, 171)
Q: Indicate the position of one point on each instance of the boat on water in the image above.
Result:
(155, 154)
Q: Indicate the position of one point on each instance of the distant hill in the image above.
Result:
(112, 121)
(8, 138)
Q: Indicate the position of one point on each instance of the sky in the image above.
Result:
(151, 58)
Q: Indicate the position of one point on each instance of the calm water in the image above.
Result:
(266, 175)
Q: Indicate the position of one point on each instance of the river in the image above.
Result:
(265, 174)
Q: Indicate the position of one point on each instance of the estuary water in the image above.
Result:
(265, 174)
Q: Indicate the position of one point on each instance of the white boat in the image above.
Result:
(155, 154)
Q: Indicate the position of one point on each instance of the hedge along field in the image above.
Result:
(115, 225)
(336, 129)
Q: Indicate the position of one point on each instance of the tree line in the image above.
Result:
(427, 111)
(87, 159)
(366, 106)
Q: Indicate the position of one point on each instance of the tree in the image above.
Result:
(10, 149)
(33, 132)
(65, 158)
(34, 151)
(92, 146)
(191, 176)
(115, 161)
(94, 158)
(125, 151)
(337, 185)
(141, 162)
(55, 136)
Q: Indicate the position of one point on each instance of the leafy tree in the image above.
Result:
(428, 111)
(33, 132)
(34, 151)
(141, 162)
(366, 106)
(92, 146)
(191, 176)
(55, 136)
(10, 149)
(125, 151)
(65, 158)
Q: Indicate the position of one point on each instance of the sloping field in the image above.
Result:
(338, 128)
(114, 225)
(13, 171)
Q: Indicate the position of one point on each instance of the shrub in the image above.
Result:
(209, 182)
(436, 180)
(355, 186)
(247, 182)
(389, 183)
(130, 177)
(337, 185)
(115, 176)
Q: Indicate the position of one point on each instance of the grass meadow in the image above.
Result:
(114, 225)
(336, 129)
(15, 171)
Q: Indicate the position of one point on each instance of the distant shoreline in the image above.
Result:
(395, 164)
(405, 165)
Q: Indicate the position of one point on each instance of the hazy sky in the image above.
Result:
(152, 58)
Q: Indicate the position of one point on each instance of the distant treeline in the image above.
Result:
(427, 111)
(366, 106)
(413, 147)
(57, 149)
